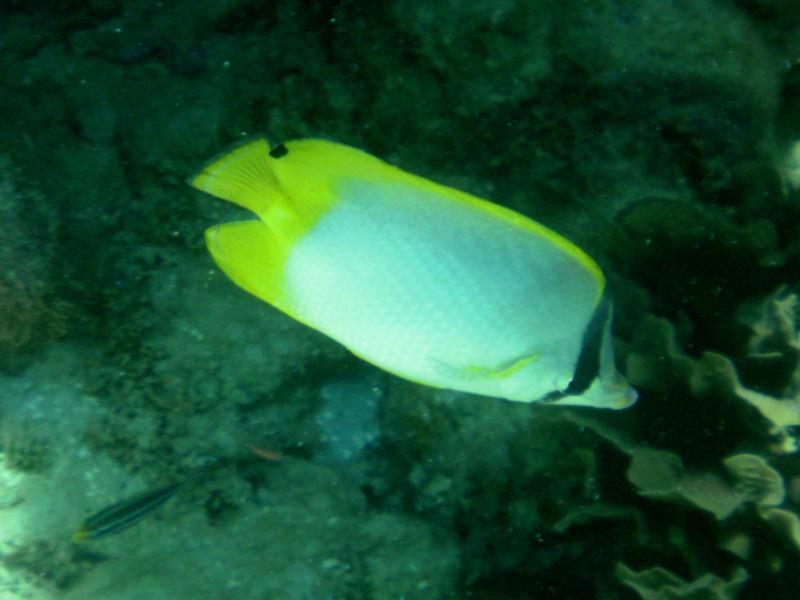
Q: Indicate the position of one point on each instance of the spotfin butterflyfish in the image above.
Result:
(422, 280)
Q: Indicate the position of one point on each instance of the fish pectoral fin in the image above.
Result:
(253, 256)
(475, 372)
(449, 371)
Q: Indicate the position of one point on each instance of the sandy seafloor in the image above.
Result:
(661, 137)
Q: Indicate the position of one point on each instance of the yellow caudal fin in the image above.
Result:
(253, 257)
(242, 176)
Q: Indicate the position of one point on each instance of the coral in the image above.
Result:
(786, 523)
(713, 378)
(756, 479)
(520, 32)
(417, 562)
(789, 169)
(661, 475)
(775, 337)
(783, 414)
(348, 420)
(659, 584)
(599, 510)
(10, 493)
(50, 564)
(27, 316)
(22, 448)
(750, 493)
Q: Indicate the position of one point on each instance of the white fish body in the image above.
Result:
(427, 282)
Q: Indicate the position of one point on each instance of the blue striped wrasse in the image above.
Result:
(123, 514)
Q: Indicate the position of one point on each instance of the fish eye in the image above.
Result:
(279, 151)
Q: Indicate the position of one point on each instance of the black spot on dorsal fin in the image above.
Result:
(279, 151)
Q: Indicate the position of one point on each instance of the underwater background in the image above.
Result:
(662, 137)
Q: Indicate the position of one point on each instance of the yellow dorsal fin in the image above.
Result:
(242, 176)
(252, 255)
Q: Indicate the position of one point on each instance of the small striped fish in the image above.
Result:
(123, 514)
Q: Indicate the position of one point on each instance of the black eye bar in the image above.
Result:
(588, 366)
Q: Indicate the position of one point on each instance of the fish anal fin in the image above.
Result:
(253, 256)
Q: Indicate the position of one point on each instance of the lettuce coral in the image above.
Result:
(743, 476)
(659, 584)
(775, 336)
